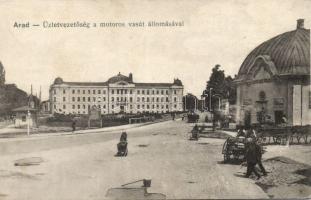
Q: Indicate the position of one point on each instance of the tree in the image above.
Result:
(221, 86)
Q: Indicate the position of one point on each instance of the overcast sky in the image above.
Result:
(214, 32)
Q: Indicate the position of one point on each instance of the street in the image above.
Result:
(83, 166)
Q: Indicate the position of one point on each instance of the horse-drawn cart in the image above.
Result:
(234, 149)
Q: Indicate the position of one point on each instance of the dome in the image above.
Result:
(289, 52)
(118, 78)
(58, 80)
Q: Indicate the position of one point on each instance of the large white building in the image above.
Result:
(117, 95)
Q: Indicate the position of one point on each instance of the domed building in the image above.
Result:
(273, 82)
(119, 94)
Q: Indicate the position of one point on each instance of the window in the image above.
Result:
(94, 99)
(83, 91)
(73, 106)
(157, 91)
(112, 106)
(148, 106)
(89, 91)
(64, 91)
(147, 99)
(152, 99)
(94, 92)
(166, 92)
(138, 91)
(131, 91)
(83, 98)
(175, 106)
(73, 99)
(104, 98)
(73, 91)
(143, 91)
(148, 92)
(143, 106)
(125, 91)
(152, 91)
(117, 98)
(64, 106)
(174, 91)
(98, 92)
(138, 99)
(161, 99)
(166, 99)
(152, 106)
(54, 91)
(78, 91)
(162, 92)
(112, 98)
(64, 98)
(166, 106)
(157, 99)
(175, 99)
(89, 99)
(54, 99)
(104, 91)
(131, 99)
(112, 91)
(162, 106)
(138, 106)
(83, 106)
(104, 106)
(131, 106)
(89, 107)
(143, 99)
(118, 91)
(78, 98)
(78, 106)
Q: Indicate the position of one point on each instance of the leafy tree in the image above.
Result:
(221, 86)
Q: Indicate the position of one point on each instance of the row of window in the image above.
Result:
(99, 99)
(112, 106)
(117, 91)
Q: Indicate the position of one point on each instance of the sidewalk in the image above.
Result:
(63, 133)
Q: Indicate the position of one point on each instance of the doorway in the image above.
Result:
(247, 118)
(278, 115)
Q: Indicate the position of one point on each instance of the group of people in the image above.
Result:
(253, 152)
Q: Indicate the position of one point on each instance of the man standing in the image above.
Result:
(251, 158)
(259, 156)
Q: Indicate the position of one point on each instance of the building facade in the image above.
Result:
(117, 95)
(274, 81)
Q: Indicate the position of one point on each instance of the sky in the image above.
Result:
(214, 32)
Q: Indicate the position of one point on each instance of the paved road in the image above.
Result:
(83, 166)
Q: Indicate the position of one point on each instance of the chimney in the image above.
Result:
(131, 77)
(300, 23)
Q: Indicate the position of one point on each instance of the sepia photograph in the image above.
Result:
(155, 99)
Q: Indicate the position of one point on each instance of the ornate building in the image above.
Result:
(274, 80)
(120, 94)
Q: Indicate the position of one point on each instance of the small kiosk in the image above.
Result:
(25, 115)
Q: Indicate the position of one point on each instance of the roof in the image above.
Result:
(24, 109)
(115, 79)
(87, 83)
(118, 78)
(153, 84)
(289, 52)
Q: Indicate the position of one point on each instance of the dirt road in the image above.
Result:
(83, 166)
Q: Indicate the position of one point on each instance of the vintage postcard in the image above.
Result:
(145, 99)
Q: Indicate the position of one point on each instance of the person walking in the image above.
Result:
(73, 125)
(251, 158)
(259, 157)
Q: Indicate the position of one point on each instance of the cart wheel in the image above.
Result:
(226, 158)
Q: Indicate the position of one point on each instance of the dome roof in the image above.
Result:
(118, 78)
(289, 52)
(58, 80)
